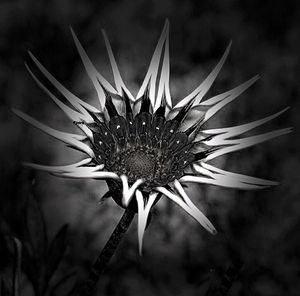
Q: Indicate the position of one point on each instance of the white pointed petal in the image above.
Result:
(142, 219)
(241, 178)
(143, 213)
(87, 131)
(203, 88)
(88, 175)
(71, 139)
(194, 212)
(238, 144)
(98, 80)
(120, 85)
(203, 171)
(90, 169)
(74, 101)
(151, 76)
(61, 168)
(229, 132)
(228, 177)
(202, 219)
(64, 169)
(50, 131)
(225, 98)
(164, 84)
(74, 115)
(129, 192)
(223, 182)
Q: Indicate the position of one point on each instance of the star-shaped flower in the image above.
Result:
(143, 146)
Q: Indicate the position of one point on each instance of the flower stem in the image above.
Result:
(106, 253)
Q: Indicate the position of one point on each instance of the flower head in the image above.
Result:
(143, 146)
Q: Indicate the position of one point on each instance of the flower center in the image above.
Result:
(145, 147)
(140, 164)
(137, 162)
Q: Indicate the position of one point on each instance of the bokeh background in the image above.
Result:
(258, 243)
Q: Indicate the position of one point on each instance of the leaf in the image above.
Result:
(64, 284)
(4, 290)
(36, 229)
(17, 266)
(29, 266)
(55, 253)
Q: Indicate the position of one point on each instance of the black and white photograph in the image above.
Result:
(149, 148)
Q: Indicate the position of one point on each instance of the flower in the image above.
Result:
(144, 147)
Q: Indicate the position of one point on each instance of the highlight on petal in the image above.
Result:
(143, 213)
(202, 218)
(129, 192)
(203, 88)
(152, 73)
(229, 132)
(120, 85)
(193, 211)
(218, 177)
(77, 170)
(218, 102)
(88, 175)
(98, 80)
(238, 144)
(80, 105)
(164, 82)
(57, 169)
(72, 114)
(71, 139)
(241, 178)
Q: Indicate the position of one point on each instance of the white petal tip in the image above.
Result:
(72, 32)
(27, 164)
(18, 112)
(228, 47)
(213, 231)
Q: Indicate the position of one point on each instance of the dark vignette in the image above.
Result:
(259, 239)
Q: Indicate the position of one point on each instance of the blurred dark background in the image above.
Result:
(259, 240)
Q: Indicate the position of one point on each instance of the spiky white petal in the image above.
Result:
(241, 178)
(151, 76)
(86, 170)
(229, 132)
(57, 169)
(143, 213)
(203, 88)
(202, 218)
(193, 211)
(74, 101)
(230, 179)
(222, 183)
(98, 80)
(215, 176)
(74, 115)
(88, 175)
(206, 109)
(218, 102)
(70, 139)
(129, 192)
(238, 144)
(120, 85)
(164, 84)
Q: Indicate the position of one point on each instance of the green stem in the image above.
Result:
(106, 253)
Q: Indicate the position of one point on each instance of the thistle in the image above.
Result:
(145, 147)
